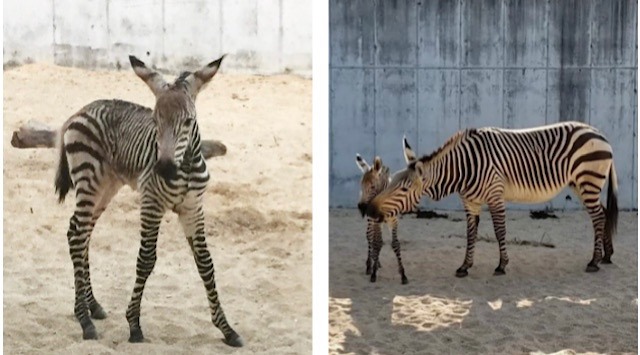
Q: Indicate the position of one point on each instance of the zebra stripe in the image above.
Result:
(374, 180)
(112, 143)
(492, 166)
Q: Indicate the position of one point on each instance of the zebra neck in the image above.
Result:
(443, 176)
(193, 149)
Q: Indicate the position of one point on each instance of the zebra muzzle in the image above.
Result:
(363, 208)
(166, 169)
(373, 212)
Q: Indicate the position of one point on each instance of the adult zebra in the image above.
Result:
(493, 166)
(109, 143)
(374, 180)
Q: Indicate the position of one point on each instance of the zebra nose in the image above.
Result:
(363, 208)
(166, 169)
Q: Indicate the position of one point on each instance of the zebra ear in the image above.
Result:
(362, 164)
(202, 76)
(409, 155)
(154, 80)
(377, 164)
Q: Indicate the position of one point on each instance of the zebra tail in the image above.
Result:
(611, 212)
(63, 181)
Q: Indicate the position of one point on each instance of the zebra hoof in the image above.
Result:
(135, 335)
(89, 333)
(98, 313)
(405, 280)
(606, 260)
(592, 267)
(373, 278)
(461, 272)
(234, 340)
(368, 271)
(498, 271)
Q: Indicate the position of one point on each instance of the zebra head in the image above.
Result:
(374, 180)
(403, 192)
(401, 196)
(174, 112)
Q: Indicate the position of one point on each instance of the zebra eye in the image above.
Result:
(188, 121)
(404, 189)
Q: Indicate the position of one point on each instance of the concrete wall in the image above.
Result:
(428, 68)
(260, 36)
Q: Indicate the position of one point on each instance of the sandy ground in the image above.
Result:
(545, 303)
(258, 215)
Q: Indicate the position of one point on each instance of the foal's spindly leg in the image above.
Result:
(80, 228)
(151, 213)
(369, 246)
(107, 192)
(192, 220)
(376, 245)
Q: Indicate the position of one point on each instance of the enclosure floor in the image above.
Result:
(544, 304)
(258, 235)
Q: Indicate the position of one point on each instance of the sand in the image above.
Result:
(545, 303)
(257, 210)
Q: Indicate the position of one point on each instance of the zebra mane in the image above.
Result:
(450, 143)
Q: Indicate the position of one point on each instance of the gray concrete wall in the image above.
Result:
(260, 36)
(428, 68)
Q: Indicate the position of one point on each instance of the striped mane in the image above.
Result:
(446, 147)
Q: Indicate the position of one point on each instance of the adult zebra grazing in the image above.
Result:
(493, 166)
(374, 180)
(110, 143)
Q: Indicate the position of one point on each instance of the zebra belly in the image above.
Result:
(518, 194)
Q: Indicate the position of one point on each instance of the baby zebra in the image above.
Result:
(374, 180)
(493, 166)
(110, 143)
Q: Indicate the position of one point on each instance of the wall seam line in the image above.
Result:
(375, 74)
(546, 84)
(53, 42)
(416, 77)
(504, 59)
(460, 49)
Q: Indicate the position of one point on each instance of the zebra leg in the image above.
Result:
(370, 232)
(473, 217)
(151, 213)
(97, 312)
(90, 200)
(377, 245)
(589, 194)
(77, 238)
(608, 245)
(395, 244)
(498, 216)
(192, 221)
(596, 212)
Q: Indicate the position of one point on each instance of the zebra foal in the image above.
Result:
(374, 180)
(493, 166)
(110, 143)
